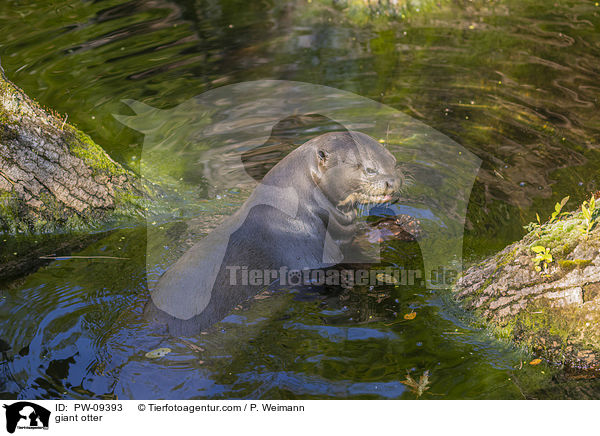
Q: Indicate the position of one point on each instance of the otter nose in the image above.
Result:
(392, 183)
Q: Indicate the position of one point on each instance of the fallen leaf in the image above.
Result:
(417, 388)
(381, 297)
(535, 362)
(411, 315)
(192, 346)
(159, 352)
(388, 279)
(262, 295)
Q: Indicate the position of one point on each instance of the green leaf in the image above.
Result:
(538, 249)
(585, 211)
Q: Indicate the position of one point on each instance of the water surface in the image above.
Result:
(514, 82)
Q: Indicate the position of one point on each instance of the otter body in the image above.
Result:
(302, 216)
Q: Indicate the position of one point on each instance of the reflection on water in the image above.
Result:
(514, 82)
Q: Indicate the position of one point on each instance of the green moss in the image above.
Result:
(556, 333)
(561, 237)
(566, 249)
(483, 287)
(540, 321)
(4, 116)
(54, 217)
(503, 332)
(9, 212)
(10, 92)
(505, 260)
(128, 204)
(373, 13)
(569, 265)
(91, 153)
(508, 257)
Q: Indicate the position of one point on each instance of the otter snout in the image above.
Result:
(392, 184)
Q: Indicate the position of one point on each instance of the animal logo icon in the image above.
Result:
(26, 415)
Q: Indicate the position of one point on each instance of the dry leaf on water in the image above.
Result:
(417, 388)
(388, 279)
(192, 346)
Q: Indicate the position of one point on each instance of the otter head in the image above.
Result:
(352, 169)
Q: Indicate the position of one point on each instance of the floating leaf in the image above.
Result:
(388, 279)
(159, 352)
(535, 362)
(411, 315)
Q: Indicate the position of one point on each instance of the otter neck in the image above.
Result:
(342, 218)
(306, 182)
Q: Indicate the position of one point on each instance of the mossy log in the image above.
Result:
(53, 177)
(553, 312)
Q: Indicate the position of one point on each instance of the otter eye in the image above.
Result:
(371, 171)
(322, 155)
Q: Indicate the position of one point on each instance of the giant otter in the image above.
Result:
(303, 215)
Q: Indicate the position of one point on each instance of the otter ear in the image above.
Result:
(322, 156)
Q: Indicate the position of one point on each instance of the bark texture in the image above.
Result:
(53, 176)
(555, 313)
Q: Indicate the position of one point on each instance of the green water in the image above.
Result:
(514, 82)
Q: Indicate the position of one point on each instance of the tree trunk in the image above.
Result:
(554, 312)
(53, 177)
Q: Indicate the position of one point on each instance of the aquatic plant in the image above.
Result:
(530, 227)
(589, 212)
(543, 258)
(557, 209)
(556, 215)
